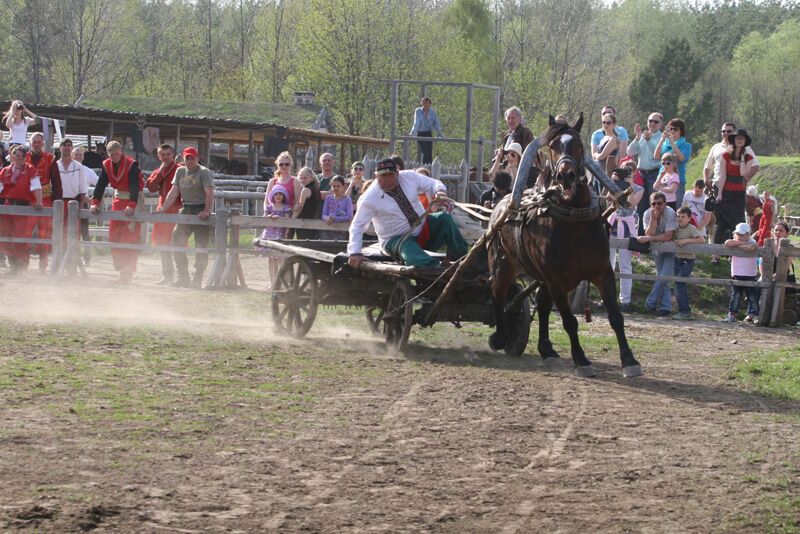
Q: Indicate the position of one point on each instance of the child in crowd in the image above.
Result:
(695, 200)
(743, 268)
(624, 225)
(668, 180)
(501, 186)
(685, 234)
(767, 219)
(277, 206)
(337, 208)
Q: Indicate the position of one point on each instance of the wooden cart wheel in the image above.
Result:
(519, 324)
(374, 316)
(398, 317)
(294, 297)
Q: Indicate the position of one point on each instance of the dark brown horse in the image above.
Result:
(559, 243)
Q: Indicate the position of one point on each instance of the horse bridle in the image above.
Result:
(566, 158)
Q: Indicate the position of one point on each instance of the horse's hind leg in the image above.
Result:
(583, 367)
(608, 290)
(544, 304)
(502, 278)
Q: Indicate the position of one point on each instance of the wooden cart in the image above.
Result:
(394, 297)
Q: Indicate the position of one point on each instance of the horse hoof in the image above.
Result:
(585, 371)
(631, 371)
(495, 342)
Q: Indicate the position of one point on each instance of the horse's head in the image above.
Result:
(567, 170)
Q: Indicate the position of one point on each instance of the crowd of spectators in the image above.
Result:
(652, 163)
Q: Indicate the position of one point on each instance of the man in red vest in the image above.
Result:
(122, 173)
(46, 169)
(161, 181)
(19, 186)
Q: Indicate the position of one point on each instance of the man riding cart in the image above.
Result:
(404, 227)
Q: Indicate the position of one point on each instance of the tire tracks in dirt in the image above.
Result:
(320, 493)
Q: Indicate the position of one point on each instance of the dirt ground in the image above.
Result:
(180, 411)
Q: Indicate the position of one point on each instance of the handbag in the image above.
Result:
(635, 246)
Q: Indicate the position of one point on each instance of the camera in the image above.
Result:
(622, 172)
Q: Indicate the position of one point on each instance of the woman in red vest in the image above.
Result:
(19, 186)
(122, 173)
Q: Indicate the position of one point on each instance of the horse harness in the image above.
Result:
(537, 203)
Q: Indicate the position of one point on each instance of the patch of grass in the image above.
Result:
(779, 509)
(775, 373)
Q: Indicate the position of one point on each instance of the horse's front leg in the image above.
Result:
(583, 367)
(544, 304)
(608, 290)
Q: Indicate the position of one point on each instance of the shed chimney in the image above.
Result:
(303, 98)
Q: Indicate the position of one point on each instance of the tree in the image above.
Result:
(672, 73)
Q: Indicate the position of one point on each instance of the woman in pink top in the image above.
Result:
(284, 177)
(668, 180)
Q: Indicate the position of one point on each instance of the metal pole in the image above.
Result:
(208, 148)
(178, 139)
(393, 117)
(468, 144)
(249, 152)
(495, 118)
(479, 174)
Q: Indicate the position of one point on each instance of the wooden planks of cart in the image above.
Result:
(394, 297)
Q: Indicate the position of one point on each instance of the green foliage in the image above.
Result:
(672, 73)
(706, 63)
(768, 95)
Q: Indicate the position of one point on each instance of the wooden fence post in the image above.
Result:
(778, 293)
(233, 273)
(463, 185)
(58, 237)
(767, 262)
(72, 257)
(436, 169)
(221, 244)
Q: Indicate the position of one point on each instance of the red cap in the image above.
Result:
(190, 151)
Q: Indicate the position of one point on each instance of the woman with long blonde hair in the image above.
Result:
(17, 119)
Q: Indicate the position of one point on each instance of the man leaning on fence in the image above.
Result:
(161, 181)
(46, 168)
(122, 173)
(195, 187)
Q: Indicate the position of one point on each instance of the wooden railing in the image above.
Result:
(226, 271)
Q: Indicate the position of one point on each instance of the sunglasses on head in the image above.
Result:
(657, 203)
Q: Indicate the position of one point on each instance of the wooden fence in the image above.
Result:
(226, 271)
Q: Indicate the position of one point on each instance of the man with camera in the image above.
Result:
(644, 146)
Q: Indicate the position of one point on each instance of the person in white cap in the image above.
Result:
(743, 268)
(507, 159)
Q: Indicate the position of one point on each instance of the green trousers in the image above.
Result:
(443, 233)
